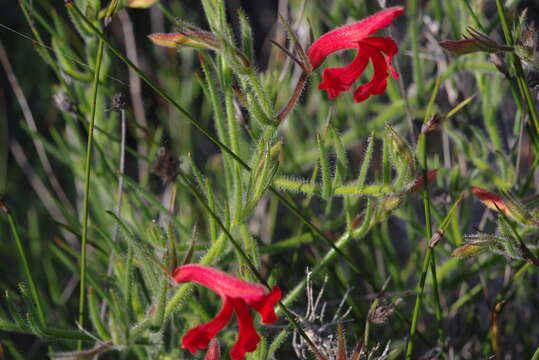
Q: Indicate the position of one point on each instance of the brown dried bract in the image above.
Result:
(166, 166)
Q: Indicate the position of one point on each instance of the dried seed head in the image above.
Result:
(433, 123)
(527, 44)
(383, 311)
(118, 102)
(166, 166)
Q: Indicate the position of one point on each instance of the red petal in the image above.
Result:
(335, 80)
(347, 37)
(386, 45)
(377, 85)
(220, 282)
(266, 306)
(248, 339)
(200, 336)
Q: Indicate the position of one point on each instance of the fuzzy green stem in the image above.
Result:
(310, 188)
(294, 98)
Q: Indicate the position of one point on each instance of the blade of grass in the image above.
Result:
(429, 256)
(25, 264)
(87, 175)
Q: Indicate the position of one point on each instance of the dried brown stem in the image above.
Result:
(294, 98)
(135, 88)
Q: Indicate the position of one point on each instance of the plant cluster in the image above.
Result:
(178, 159)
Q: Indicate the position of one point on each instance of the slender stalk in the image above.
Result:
(413, 10)
(418, 301)
(428, 225)
(294, 98)
(135, 88)
(521, 78)
(120, 191)
(87, 175)
(429, 256)
(474, 16)
(25, 264)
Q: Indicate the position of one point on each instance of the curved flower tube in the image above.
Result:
(379, 50)
(238, 296)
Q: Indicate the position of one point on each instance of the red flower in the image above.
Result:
(237, 295)
(379, 50)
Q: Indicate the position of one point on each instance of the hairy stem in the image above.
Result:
(294, 98)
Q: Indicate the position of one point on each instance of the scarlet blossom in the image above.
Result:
(238, 296)
(379, 50)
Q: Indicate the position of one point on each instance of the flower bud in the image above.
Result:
(474, 42)
(141, 4)
(197, 40)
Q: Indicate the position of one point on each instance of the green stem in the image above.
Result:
(87, 174)
(429, 256)
(521, 78)
(474, 16)
(416, 60)
(428, 225)
(25, 264)
(418, 301)
(311, 188)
